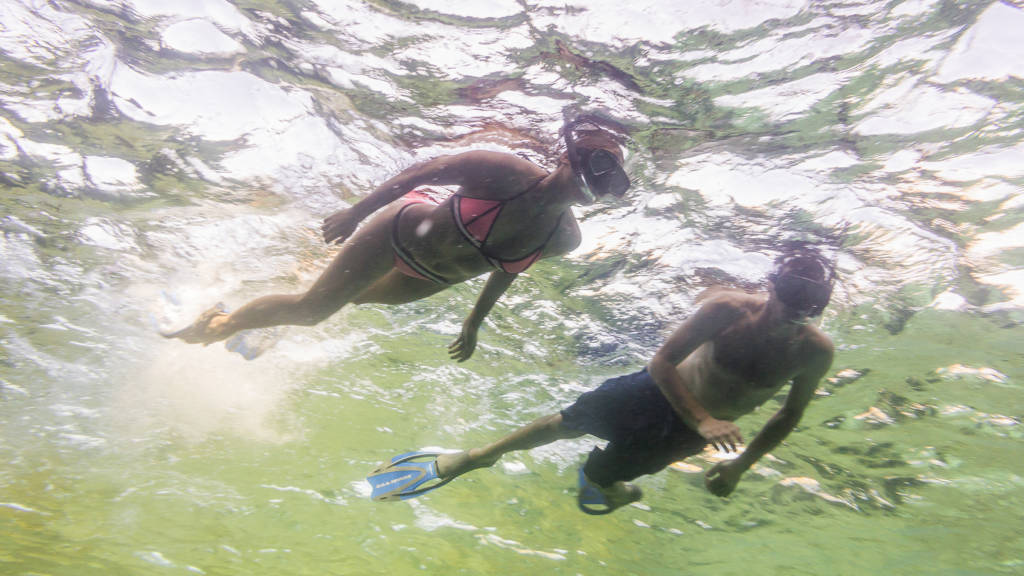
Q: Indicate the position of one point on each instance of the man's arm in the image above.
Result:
(709, 321)
(722, 479)
(458, 169)
(462, 348)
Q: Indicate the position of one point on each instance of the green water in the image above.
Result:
(128, 204)
(263, 480)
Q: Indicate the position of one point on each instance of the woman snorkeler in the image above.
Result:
(507, 214)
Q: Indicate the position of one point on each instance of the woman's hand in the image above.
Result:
(723, 477)
(339, 226)
(721, 434)
(462, 348)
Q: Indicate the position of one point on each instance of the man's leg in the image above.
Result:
(622, 462)
(541, 431)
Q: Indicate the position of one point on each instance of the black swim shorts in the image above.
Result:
(644, 433)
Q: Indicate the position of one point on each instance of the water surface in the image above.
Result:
(157, 157)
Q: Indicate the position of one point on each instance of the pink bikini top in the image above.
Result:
(475, 217)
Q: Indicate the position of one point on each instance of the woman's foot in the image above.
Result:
(205, 329)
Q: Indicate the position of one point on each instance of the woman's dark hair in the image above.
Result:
(593, 133)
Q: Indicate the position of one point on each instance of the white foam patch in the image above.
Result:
(21, 508)
(215, 247)
(306, 144)
(361, 488)
(914, 8)
(111, 174)
(35, 31)
(461, 53)
(925, 48)
(18, 254)
(357, 21)
(9, 136)
(284, 137)
(518, 548)
(991, 190)
(58, 155)
(725, 179)
(774, 53)
(430, 520)
(991, 244)
(322, 349)
(813, 487)
(347, 69)
(472, 8)
(214, 105)
(655, 21)
(902, 160)
(988, 162)
(991, 49)
(533, 103)
(1012, 284)
(108, 234)
(200, 37)
(1013, 203)
(196, 392)
(950, 300)
(911, 107)
(785, 101)
(220, 12)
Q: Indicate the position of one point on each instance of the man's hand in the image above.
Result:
(721, 434)
(462, 348)
(339, 226)
(723, 477)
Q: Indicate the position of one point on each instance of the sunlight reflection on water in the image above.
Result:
(158, 157)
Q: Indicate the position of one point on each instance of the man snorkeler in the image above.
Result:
(731, 356)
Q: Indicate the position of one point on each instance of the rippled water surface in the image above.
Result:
(156, 157)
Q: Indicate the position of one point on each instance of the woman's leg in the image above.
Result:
(541, 431)
(363, 260)
(398, 288)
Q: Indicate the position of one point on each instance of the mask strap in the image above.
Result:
(570, 150)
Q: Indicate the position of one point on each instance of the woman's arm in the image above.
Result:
(465, 169)
(497, 283)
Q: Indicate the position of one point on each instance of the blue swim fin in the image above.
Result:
(594, 500)
(402, 477)
(253, 342)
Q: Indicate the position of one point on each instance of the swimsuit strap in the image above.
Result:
(489, 210)
(531, 256)
(484, 213)
(404, 257)
(495, 207)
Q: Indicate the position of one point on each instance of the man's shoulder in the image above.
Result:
(817, 344)
(723, 296)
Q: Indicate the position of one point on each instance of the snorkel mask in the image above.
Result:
(805, 296)
(598, 171)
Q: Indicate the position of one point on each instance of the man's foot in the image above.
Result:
(415, 473)
(596, 500)
(458, 463)
(203, 330)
